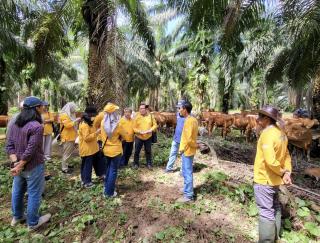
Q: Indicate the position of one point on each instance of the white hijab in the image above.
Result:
(70, 109)
(111, 121)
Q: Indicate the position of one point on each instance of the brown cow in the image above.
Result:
(160, 119)
(246, 123)
(304, 122)
(171, 119)
(4, 121)
(224, 121)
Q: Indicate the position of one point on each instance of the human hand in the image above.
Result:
(98, 131)
(287, 178)
(78, 119)
(16, 170)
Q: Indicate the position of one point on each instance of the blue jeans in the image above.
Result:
(173, 155)
(97, 162)
(127, 151)
(187, 173)
(32, 182)
(111, 174)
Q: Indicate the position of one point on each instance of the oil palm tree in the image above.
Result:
(105, 67)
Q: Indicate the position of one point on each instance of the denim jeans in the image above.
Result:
(111, 174)
(32, 182)
(127, 151)
(187, 172)
(147, 147)
(173, 155)
(97, 162)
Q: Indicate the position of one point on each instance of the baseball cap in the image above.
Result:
(180, 103)
(32, 101)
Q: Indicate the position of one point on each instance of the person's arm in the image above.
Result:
(155, 126)
(87, 136)
(10, 148)
(35, 138)
(135, 126)
(270, 155)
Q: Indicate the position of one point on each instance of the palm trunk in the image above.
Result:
(3, 95)
(316, 98)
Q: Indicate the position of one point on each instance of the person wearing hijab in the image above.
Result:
(89, 148)
(272, 168)
(68, 132)
(111, 133)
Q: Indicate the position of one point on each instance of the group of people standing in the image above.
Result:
(106, 143)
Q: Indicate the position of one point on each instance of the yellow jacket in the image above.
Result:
(144, 123)
(189, 136)
(88, 144)
(97, 123)
(69, 132)
(47, 127)
(127, 127)
(272, 157)
(113, 146)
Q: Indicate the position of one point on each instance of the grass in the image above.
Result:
(145, 211)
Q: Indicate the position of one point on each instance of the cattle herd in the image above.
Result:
(300, 131)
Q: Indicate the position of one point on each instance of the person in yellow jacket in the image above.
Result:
(97, 125)
(89, 148)
(187, 149)
(48, 119)
(272, 168)
(143, 125)
(111, 134)
(68, 133)
(126, 123)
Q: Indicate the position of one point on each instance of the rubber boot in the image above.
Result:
(278, 224)
(267, 231)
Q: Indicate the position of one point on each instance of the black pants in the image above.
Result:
(97, 161)
(127, 151)
(147, 148)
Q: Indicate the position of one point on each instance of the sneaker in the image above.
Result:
(47, 177)
(168, 171)
(88, 185)
(114, 195)
(15, 221)
(149, 167)
(184, 200)
(135, 167)
(42, 220)
(67, 172)
(102, 178)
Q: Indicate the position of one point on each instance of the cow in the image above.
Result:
(224, 121)
(171, 119)
(4, 121)
(246, 123)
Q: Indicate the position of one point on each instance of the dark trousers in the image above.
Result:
(97, 161)
(147, 148)
(127, 151)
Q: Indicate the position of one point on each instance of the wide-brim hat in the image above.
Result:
(271, 112)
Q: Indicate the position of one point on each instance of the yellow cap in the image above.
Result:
(110, 107)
